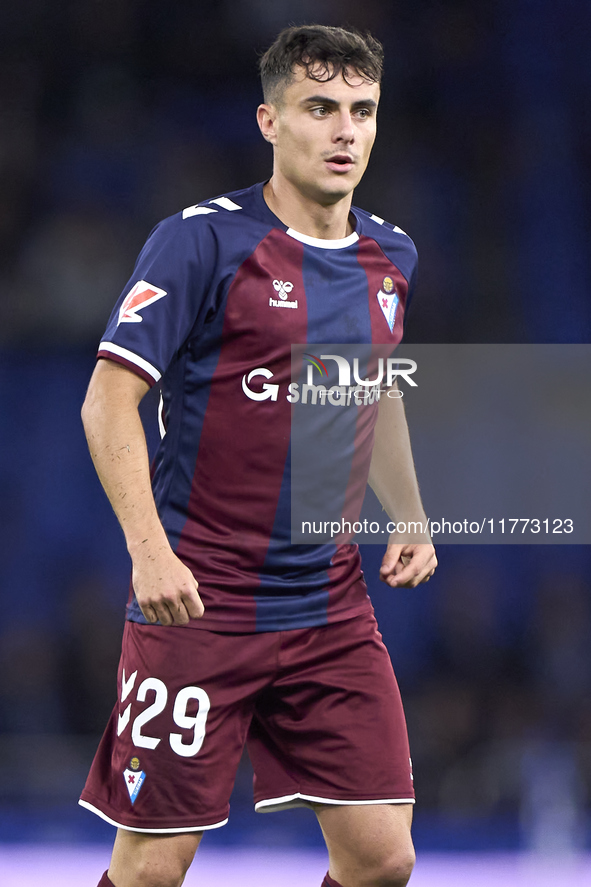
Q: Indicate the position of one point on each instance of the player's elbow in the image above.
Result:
(86, 412)
(89, 407)
(96, 409)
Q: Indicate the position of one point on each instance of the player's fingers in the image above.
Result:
(162, 611)
(413, 567)
(391, 560)
(405, 578)
(150, 614)
(394, 561)
(178, 613)
(174, 612)
(188, 607)
(194, 605)
(164, 616)
(415, 572)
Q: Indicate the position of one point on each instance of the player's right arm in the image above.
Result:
(165, 588)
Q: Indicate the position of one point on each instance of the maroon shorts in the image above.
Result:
(318, 708)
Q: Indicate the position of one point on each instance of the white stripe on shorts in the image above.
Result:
(298, 800)
(157, 831)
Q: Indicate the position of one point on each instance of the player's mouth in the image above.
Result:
(340, 163)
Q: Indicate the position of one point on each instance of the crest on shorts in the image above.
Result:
(134, 779)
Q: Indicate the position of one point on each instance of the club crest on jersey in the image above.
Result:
(388, 301)
(139, 297)
(283, 289)
(134, 779)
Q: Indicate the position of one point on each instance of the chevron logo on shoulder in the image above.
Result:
(139, 297)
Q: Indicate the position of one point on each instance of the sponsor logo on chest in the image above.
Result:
(283, 289)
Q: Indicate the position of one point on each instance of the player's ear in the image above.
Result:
(266, 117)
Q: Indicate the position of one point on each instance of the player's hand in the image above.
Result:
(165, 588)
(406, 566)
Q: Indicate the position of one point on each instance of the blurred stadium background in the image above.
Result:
(116, 113)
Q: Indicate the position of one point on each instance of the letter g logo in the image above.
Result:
(269, 392)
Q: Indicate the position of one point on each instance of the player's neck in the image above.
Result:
(306, 215)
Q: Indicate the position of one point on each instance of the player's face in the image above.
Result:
(323, 133)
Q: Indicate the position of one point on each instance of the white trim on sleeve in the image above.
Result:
(155, 831)
(132, 358)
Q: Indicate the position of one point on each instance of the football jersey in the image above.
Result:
(218, 296)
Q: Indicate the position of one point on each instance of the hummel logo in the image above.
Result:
(282, 288)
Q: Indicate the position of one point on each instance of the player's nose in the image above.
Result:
(344, 129)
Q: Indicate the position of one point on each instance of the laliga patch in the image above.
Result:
(139, 297)
(388, 301)
(134, 779)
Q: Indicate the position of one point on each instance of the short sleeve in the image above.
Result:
(411, 286)
(166, 298)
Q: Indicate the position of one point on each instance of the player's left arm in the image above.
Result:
(393, 479)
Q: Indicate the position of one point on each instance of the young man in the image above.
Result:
(233, 635)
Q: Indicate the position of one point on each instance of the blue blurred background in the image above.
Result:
(120, 112)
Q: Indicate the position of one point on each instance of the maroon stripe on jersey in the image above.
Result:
(233, 501)
(377, 268)
(357, 482)
(344, 569)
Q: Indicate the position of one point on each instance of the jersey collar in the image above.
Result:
(318, 242)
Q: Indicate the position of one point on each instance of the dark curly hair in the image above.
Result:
(324, 52)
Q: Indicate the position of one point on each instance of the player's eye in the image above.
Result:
(320, 111)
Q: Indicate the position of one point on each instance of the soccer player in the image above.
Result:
(233, 635)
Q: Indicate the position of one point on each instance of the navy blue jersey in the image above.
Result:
(219, 294)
